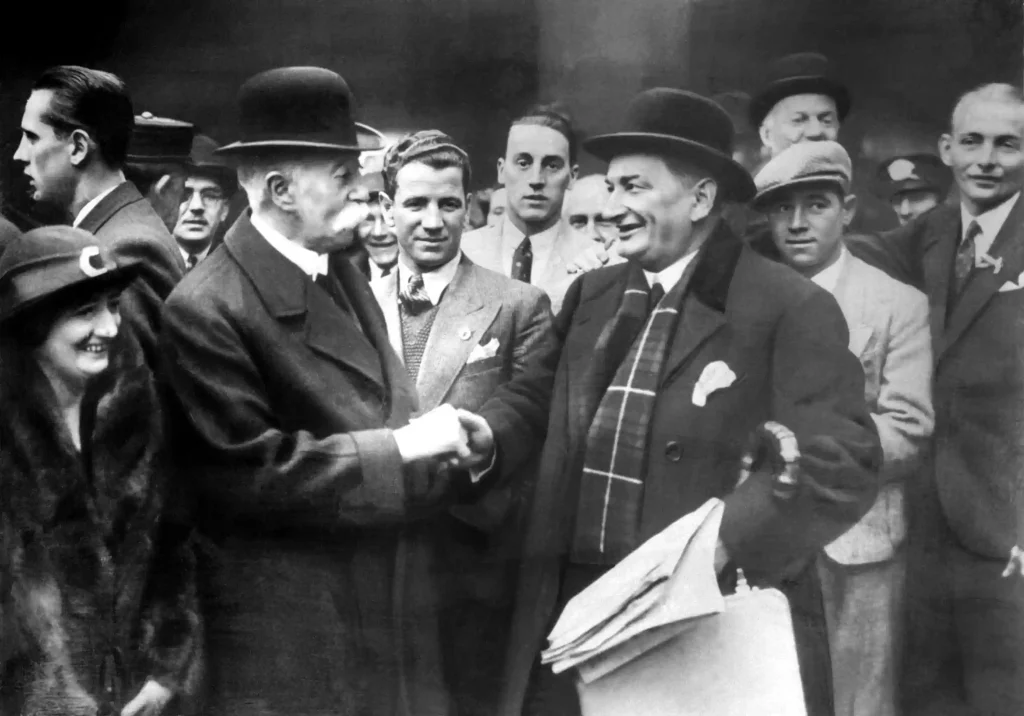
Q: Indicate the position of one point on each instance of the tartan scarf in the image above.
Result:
(611, 486)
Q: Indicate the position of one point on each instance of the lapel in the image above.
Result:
(984, 283)
(461, 320)
(703, 310)
(942, 234)
(289, 294)
(385, 290)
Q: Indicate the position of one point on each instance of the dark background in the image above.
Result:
(467, 66)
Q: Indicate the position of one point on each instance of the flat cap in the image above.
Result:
(804, 163)
(910, 172)
(160, 140)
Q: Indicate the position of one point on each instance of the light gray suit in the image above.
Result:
(492, 247)
(862, 571)
(491, 350)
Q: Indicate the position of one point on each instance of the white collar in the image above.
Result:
(92, 203)
(435, 281)
(543, 240)
(199, 256)
(669, 277)
(376, 272)
(828, 278)
(991, 222)
(311, 263)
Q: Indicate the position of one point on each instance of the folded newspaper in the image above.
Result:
(648, 598)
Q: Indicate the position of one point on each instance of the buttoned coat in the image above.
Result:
(785, 340)
(319, 597)
(889, 333)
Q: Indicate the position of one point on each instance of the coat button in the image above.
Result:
(673, 451)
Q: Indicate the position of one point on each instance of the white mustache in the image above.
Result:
(351, 216)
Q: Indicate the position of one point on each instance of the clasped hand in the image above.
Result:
(456, 437)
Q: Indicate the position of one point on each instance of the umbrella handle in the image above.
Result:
(781, 441)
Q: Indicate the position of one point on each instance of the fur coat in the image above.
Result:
(97, 591)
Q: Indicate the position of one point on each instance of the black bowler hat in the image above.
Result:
(159, 140)
(910, 172)
(203, 161)
(47, 261)
(684, 124)
(300, 108)
(802, 73)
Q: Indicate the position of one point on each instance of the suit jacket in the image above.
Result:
(978, 348)
(888, 323)
(786, 341)
(490, 248)
(128, 226)
(318, 598)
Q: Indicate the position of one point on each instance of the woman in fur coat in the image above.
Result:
(98, 608)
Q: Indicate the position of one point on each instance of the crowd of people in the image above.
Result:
(354, 451)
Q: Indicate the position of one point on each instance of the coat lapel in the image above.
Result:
(462, 318)
(937, 264)
(289, 294)
(984, 283)
(385, 290)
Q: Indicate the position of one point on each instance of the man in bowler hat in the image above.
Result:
(205, 201)
(913, 184)
(75, 131)
(670, 362)
(312, 479)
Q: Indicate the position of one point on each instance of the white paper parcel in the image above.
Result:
(647, 597)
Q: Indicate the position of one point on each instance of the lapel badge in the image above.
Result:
(465, 334)
(995, 263)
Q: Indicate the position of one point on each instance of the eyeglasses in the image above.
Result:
(208, 197)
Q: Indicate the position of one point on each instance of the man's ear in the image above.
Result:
(574, 174)
(849, 210)
(765, 133)
(501, 171)
(704, 194)
(387, 209)
(279, 190)
(81, 146)
(946, 149)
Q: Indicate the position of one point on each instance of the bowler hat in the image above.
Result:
(203, 161)
(159, 140)
(803, 164)
(802, 73)
(679, 123)
(910, 172)
(47, 261)
(300, 108)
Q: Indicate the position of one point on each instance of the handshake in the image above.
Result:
(456, 437)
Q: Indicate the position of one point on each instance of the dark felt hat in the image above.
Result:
(204, 161)
(910, 172)
(51, 259)
(679, 123)
(160, 140)
(300, 108)
(802, 73)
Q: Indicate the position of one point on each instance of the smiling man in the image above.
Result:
(377, 254)
(966, 638)
(480, 342)
(530, 243)
(75, 136)
(633, 445)
(209, 185)
(805, 192)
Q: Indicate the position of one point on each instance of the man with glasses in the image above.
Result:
(205, 202)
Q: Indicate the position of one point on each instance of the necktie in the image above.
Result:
(191, 263)
(414, 296)
(522, 261)
(386, 270)
(964, 263)
(654, 297)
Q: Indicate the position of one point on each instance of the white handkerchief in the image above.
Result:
(1013, 285)
(482, 351)
(716, 375)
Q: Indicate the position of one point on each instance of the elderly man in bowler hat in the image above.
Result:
(670, 362)
(801, 101)
(312, 478)
(913, 184)
(205, 202)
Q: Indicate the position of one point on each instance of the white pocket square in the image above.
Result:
(482, 351)
(1013, 285)
(716, 375)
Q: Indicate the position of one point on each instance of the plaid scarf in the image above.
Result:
(611, 486)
